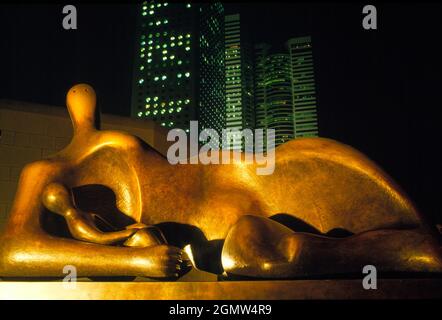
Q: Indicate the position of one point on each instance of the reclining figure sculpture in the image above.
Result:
(283, 225)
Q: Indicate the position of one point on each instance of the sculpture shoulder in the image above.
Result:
(120, 139)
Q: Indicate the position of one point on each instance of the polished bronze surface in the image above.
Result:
(326, 209)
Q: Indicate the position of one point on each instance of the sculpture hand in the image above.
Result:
(145, 237)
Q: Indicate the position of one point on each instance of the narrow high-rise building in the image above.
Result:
(273, 92)
(239, 81)
(179, 70)
(303, 87)
(278, 96)
(260, 53)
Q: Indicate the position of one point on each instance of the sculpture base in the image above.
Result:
(223, 290)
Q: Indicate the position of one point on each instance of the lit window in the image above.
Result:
(151, 12)
(187, 48)
(156, 79)
(188, 5)
(187, 74)
(163, 77)
(155, 99)
(172, 57)
(179, 75)
(140, 114)
(147, 99)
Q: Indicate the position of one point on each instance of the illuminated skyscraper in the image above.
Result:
(261, 52)
(179, 71)
(239, 81)
(278, 97)
(303, 87)
(285, 94)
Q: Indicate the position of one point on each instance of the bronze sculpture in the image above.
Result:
(236, 222)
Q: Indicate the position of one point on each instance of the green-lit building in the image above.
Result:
(303, 87)
(179, 70)
(285, 92)
(261, 52)
(278, 95)
(239, 81)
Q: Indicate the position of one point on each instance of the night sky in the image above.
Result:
(379, 91)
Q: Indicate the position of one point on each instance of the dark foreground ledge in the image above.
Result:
(224, 290)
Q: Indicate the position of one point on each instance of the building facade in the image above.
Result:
(239, 82)
(179, 65)
(278, 97)
(305, 117)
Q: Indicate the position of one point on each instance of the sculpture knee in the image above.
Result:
(253, 244)
(12, 256)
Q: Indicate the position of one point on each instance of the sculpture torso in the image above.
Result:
(213, 197)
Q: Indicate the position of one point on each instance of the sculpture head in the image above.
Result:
(57, 198)
(82, 105)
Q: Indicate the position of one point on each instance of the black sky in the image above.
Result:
(379, 91)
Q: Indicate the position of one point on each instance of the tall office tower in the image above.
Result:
(260, 53)
(239, 81)
(179, 71)
(278, 96)
(303, 87)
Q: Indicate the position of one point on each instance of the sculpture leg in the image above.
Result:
(261, 247)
